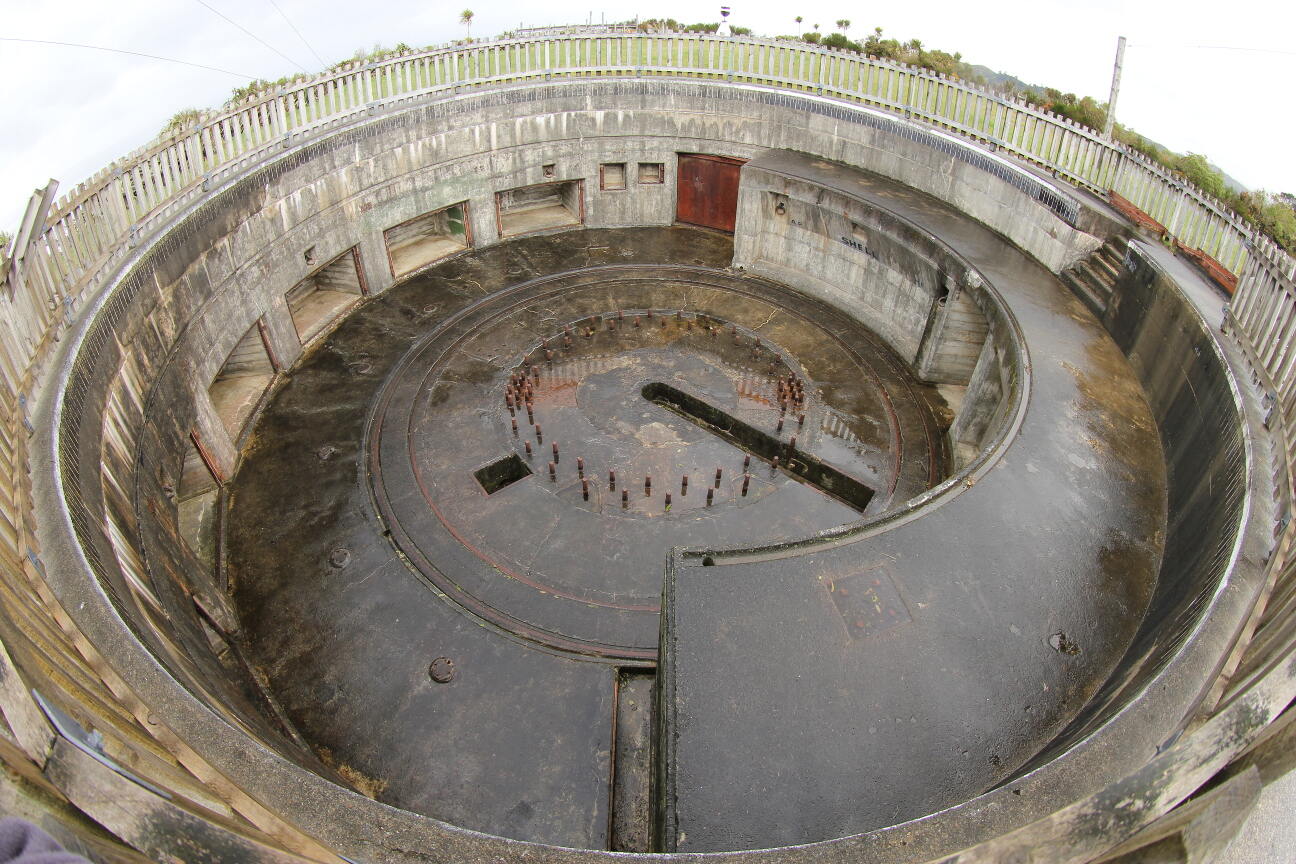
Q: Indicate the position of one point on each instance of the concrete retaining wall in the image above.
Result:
(136, 395)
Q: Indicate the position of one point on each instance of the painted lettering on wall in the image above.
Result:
(858, 246)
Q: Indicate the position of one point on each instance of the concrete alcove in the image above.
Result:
(540, 207)
(424, 239)
(366, 648)
(317, 301)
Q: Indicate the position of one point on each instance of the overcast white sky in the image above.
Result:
(1204, 77)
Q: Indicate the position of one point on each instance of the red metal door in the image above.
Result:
(707, 190)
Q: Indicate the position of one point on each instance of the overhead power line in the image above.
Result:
(1250, 48)
(299, 35)
(216, 11)
(242, 75)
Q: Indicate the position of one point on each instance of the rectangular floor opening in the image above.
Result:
(501, 473)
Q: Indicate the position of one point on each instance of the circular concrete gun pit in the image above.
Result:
(537, 462)
(516, 615)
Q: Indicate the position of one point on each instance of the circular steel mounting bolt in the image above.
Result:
(339, 557)
(441, 670)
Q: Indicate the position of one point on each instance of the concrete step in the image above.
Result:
(1099, 280)
(1113, 251)
(1082, 289)
(1104, 265)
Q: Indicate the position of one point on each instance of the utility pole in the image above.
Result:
(1115, 91)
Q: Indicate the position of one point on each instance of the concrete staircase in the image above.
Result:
(1093, 278)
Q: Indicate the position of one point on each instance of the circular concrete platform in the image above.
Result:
(530, 463)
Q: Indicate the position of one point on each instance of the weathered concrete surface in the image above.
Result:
(345, 626)
(202, 717)
(887, 675)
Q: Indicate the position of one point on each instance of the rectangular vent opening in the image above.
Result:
(652, 173)
(501, 473)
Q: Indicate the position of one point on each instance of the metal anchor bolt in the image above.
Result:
(553, 472)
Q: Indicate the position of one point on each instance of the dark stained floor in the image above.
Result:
(460, 653)
(368, 559)
(890, 674)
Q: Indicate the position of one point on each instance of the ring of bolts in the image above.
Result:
(518, 395)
